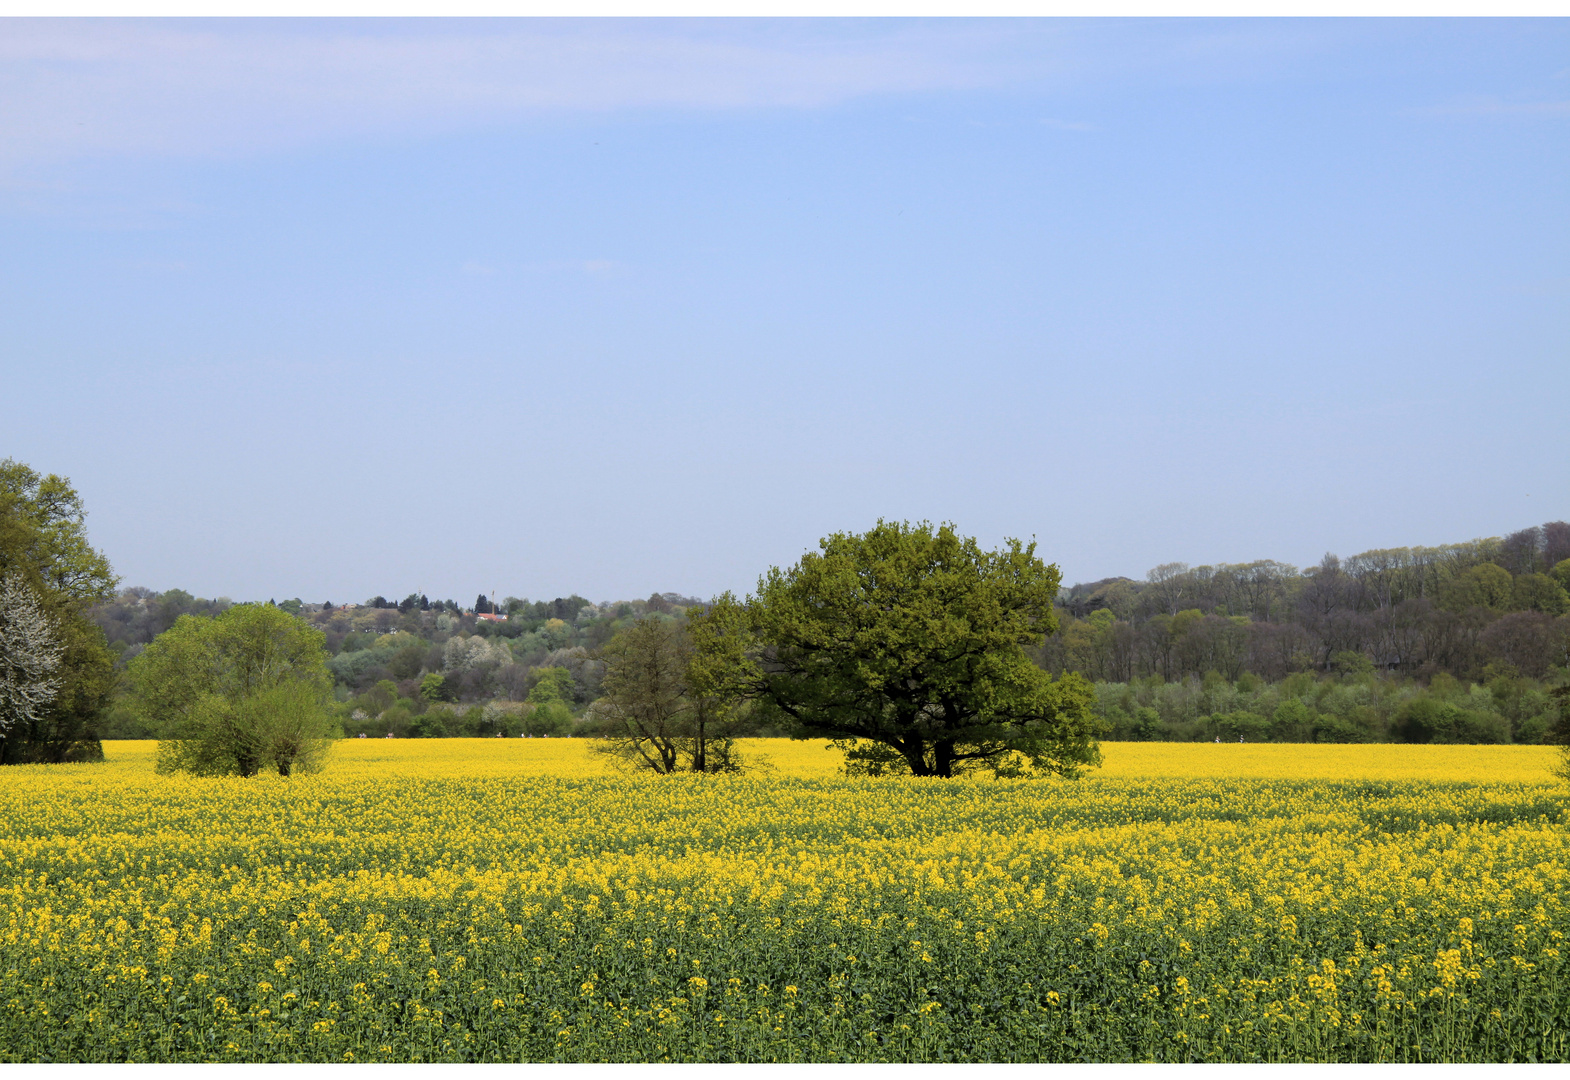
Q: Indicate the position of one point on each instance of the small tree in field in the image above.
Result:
(280, 727)
(245, 691)
(656, 710)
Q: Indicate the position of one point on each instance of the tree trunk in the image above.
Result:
(943, 758)
(915, 753)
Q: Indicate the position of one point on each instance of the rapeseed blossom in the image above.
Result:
(475, 900)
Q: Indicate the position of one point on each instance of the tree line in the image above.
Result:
(412, 669)
(906, 645)
(1468, 610)
(909, 646)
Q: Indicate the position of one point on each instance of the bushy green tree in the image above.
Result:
(1484, 586)
(907, 645)
(237, 693)
(408, 661)
(282, 727)
(1424, 719)
(1351, 662)
(1240, 725)
(1146, 724)
(552, 684)
(434, 688)
(1292, 721)
(552, 718)
(1539, 592)
(428, 725)
(381, 697)
(45, 553)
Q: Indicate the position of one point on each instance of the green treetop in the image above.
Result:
(907, 645)
(237, 693)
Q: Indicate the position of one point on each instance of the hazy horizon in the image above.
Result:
(498, 594)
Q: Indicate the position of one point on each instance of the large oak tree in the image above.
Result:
(908, 645)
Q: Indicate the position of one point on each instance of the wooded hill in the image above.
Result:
(1464, 609)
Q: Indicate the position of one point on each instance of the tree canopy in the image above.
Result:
(43, 533)
(907, 644)
(657, 710)
(52, 574)
(245, 690)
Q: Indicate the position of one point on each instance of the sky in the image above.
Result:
(333, 309)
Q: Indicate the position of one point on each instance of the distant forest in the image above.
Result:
(1463, 609)
(422, 667)
(1466, 642)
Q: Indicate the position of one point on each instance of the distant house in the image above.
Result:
(489, 617)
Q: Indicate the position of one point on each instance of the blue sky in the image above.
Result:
(337, 308)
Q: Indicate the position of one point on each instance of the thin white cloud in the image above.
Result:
(72, 89)
(85, 89)
(81, 89)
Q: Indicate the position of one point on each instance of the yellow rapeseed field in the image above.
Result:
(491, 900)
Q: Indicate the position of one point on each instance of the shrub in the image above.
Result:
(550, 719)
(1424, 720)
(430, 725)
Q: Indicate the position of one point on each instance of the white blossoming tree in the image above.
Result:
(30, 655)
